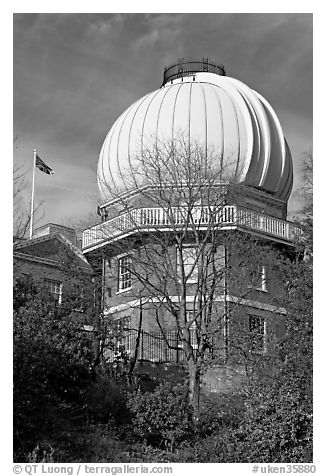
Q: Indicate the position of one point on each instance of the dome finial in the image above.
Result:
(186, 67)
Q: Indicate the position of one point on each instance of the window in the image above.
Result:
(54, 288)
(263, 278)
(189, 255)
(123, 342)
(257, 331)
(106, 289)
(193, 329)
(124, 274)
(190, 314)
(258, 278)
(123, 324)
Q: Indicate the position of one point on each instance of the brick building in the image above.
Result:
(188, 174)
(44, 256)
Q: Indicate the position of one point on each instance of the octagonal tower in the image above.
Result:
(239, 134)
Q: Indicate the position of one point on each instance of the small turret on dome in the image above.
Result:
(198, 101)
(186, 68)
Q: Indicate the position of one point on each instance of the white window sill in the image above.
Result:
(252, 288)
(124, 290)
(189, 281)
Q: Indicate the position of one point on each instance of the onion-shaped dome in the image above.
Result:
(219, 112)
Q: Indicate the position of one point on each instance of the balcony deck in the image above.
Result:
(225, 217)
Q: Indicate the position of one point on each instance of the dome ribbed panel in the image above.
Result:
(284, 185)
(136, 131)
(181, 112)
(122, 163)
(215, 124)
(287, 182)
(166, 123)
(273, 174)
(264, 140)
(108, 168)
(103, 169)
(263, 131)
(274, 178)
(221, 114)
(231, 137)
(161, 100)
(244, 144)
(256, 165)
(243, 123)
(198, 118)
(205, 114)
(148, 122)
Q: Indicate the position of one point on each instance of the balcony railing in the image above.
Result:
(143, 219)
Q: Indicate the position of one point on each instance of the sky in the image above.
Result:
(74, 74)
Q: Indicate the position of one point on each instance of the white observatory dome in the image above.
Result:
(219, 112)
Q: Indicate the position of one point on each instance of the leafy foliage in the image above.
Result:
(64, 411)
(52, 357)
(161, 416)
(106, 401)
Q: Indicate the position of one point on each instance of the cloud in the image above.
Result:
(159, 31)
(104, 24)
(74, 74)
(148, 40)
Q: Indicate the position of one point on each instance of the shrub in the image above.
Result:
(220, 412)
(106, 400)
(162, 416)
(51, 370)
(42, 453)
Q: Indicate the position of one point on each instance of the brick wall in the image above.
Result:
(41, 270)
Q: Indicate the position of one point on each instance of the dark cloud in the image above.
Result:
(74, 74)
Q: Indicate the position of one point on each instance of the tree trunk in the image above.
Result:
(97, 325)
(133, 360)
(194, 387)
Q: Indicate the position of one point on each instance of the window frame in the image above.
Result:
(56, 294)
(260, 272)
(263, 279)
(192, 328)
(193, 278)
(190, 314)
(122, 277)
(123, 340)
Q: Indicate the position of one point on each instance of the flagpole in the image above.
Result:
(32, 201)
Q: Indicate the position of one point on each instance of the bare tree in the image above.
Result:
(178, 219)
(307, 186)
(306, 192)
(21, 212)
(21, 216)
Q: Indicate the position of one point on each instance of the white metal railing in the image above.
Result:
(229, 215)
